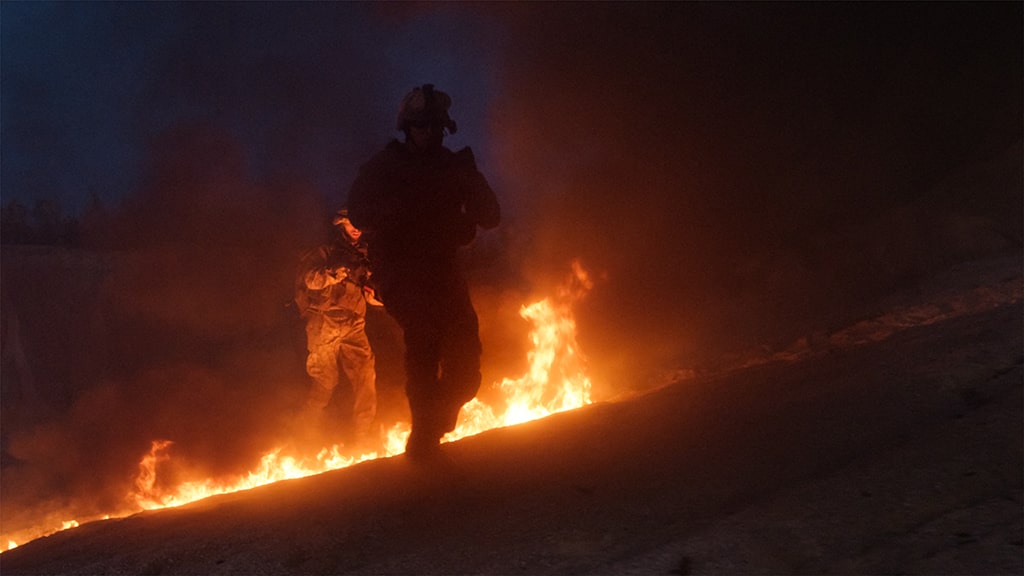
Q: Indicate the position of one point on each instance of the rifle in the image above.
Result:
(349, 258)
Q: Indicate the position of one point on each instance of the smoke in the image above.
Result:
(217, 147)
(732, 175)
(744, 174)
(181, 331)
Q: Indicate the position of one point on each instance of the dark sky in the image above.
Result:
(307, 88)
(310, 89)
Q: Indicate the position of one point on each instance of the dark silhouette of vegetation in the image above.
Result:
(44, 224)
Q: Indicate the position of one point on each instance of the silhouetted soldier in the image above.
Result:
(418, 202)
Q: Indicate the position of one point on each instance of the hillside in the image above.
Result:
(892, 446)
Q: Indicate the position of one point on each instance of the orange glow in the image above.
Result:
(554, 382)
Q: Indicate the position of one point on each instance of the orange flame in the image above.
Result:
(555, 382)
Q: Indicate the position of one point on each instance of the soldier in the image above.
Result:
(418, 202)
(332, 292)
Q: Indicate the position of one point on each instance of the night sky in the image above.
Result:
(733, 174)
(308, 89)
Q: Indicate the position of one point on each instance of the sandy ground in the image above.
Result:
(893, 447)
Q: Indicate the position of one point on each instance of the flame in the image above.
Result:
(555, 381)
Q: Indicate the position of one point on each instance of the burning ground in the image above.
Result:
(890, 447)
(911, 407)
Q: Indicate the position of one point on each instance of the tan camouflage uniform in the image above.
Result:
(332, 301)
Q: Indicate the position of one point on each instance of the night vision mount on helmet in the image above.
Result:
(426, 106)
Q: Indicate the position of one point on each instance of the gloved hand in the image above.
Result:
(371, 296)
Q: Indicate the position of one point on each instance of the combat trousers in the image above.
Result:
(331, 339)
(442, 350)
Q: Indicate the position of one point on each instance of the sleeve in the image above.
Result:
(367, 207)
(316, 275)
(481, 203)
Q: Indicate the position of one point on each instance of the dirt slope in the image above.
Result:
(899, 452)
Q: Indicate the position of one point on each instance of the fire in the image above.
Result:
(555, 381)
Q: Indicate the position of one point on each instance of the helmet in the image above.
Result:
(425, 105)
(340, 216)
(343, 225)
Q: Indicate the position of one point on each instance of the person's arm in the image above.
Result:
(481, 203)
(367, 205)
(319, 274)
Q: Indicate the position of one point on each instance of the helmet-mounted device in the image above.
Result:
(425, 106)
(339, 217)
